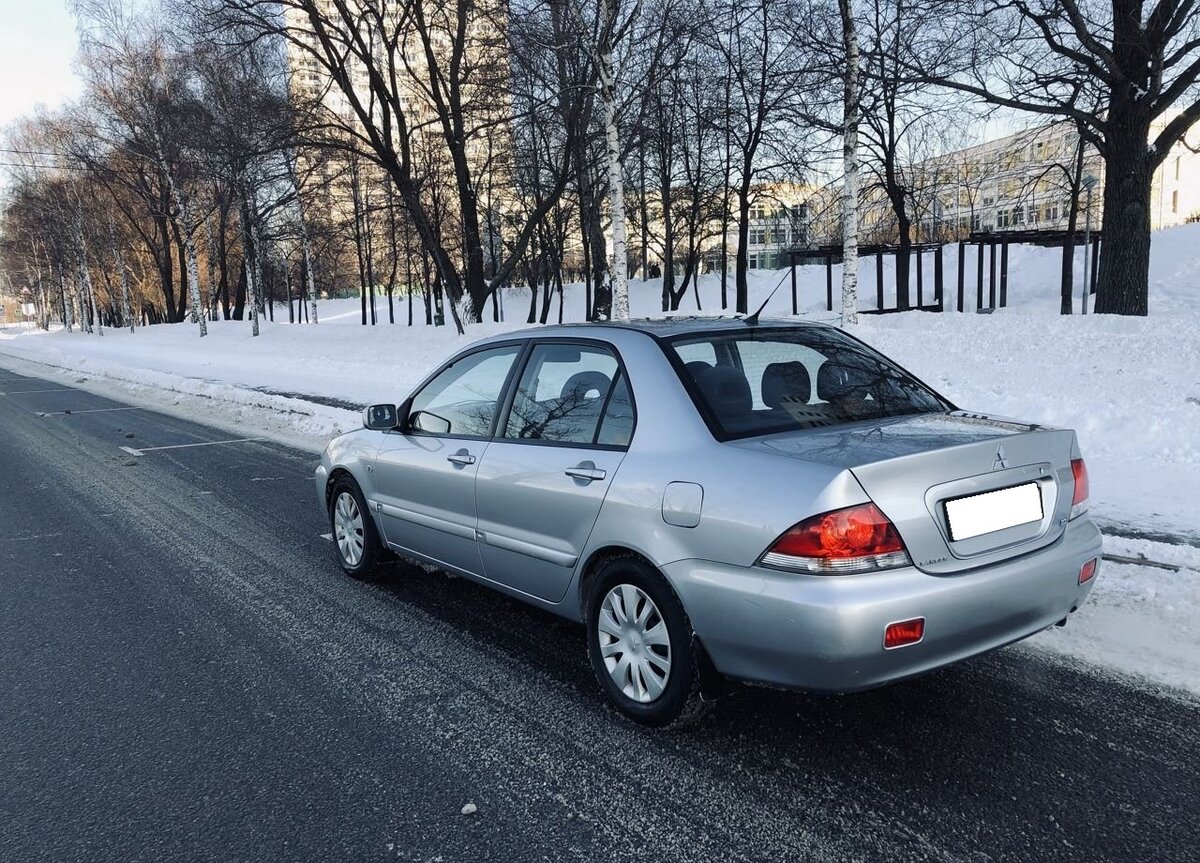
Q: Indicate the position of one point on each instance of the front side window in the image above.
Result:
(571, 394)
(462, 399)
(764, 381)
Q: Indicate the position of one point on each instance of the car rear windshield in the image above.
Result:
(757, 381)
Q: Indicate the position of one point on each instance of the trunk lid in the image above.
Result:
(912, 466)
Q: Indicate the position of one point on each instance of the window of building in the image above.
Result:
(757, 237)
(1002, 219)
(976, 222)
(1178, 160)
(1175, 201)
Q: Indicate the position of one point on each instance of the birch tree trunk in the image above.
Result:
(259, 296)
(189, 248)
(252, 295)
(211, 260)
(618, 267)
(62, 293)
(850, 117)
(310, 281)
(85, 277)
(309, 278)
(126, 311)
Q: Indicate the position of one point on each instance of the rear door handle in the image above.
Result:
(461, 458)
(587, 474)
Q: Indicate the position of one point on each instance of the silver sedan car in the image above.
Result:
(720, 499)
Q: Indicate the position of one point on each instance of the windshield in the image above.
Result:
(760, 381)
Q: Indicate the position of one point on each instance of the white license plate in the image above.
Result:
(993, 510)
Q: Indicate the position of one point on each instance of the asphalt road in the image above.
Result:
(186, 675)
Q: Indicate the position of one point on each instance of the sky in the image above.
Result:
(37, 49)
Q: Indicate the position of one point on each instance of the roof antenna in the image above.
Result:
(752, 321)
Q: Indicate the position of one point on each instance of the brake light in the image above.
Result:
(854, 539)
(1079, 503)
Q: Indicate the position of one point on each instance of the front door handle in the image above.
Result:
(461, 459)
(587, 474)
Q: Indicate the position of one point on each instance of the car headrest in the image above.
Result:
(837, 381)
(726, 390)
(697, 367)
(789, 380)
(586, 385)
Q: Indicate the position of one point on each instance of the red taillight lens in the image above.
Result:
(855, 539)
(1087, 571)
(904, 632)
(1080, 499)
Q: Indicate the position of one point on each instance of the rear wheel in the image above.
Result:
(354, 535)
(640, 643)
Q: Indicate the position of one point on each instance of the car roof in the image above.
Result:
(668, 327)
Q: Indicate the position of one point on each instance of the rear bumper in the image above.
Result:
(825, 633)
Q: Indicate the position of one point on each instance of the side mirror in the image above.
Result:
(380, 417)
(427, 422)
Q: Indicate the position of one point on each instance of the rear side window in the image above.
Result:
(616, 429)
(763, 381)
(571, 394)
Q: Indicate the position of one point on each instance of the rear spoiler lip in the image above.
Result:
(1008, 423)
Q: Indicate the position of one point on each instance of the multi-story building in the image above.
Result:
(778, 223)
(1020, 182)
(342, 185)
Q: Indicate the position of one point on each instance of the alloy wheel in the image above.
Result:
(348, 528)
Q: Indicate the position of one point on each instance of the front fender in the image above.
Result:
(353, 453)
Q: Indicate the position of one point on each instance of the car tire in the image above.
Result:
(356, 540)
(629, 657)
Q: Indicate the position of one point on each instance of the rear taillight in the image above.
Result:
(1079, 502)
(1088, 570)
(841, 542)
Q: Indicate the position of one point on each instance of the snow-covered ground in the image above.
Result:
(1130, 387)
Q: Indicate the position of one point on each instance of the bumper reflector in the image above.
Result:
(903, 633)
(1087, 571)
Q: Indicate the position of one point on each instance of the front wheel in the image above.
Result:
(640, 644)
(354, 533)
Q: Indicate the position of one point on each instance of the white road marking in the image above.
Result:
(147, 449)
(29, 538)
(89, 411)
(27, 392)
(267, 478)
(327, 537)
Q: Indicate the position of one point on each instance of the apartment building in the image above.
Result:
(343, 184)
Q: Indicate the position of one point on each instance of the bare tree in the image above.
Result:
(399, 67)
(1126, 72)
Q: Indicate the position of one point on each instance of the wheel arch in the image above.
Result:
(597, 560)
(335, 475)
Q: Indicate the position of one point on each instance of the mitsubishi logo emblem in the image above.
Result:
(1001, 462)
